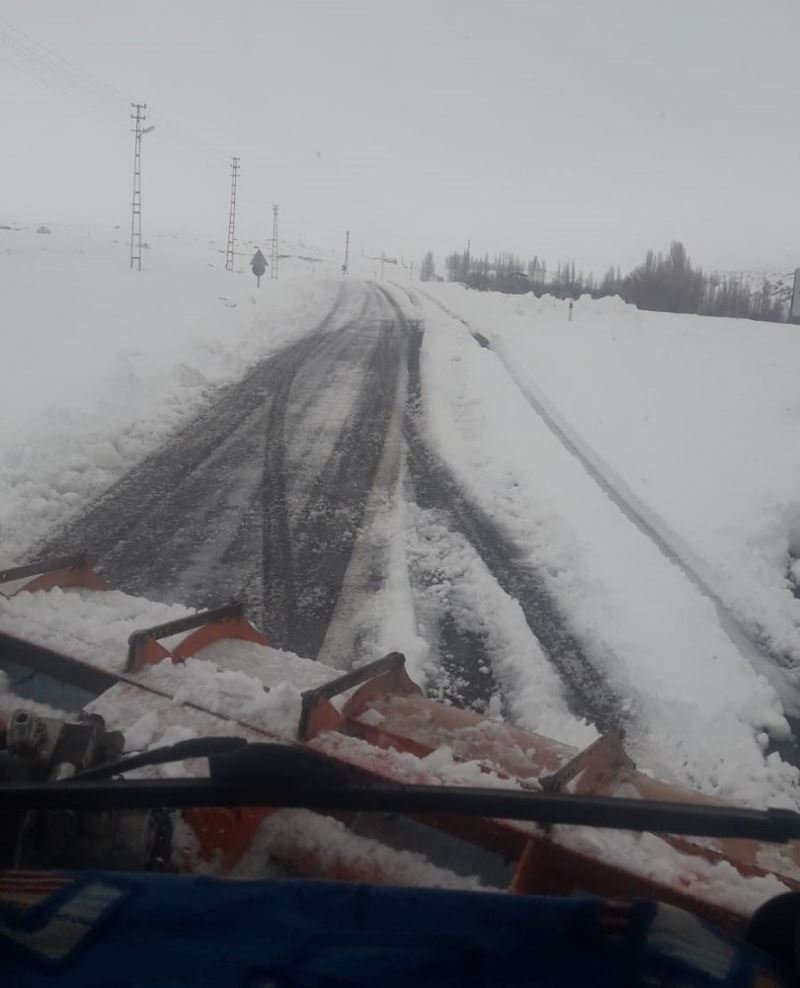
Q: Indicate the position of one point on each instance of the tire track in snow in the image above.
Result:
(435, 487)
(325, 536)
(176, 526)
(669, 544)
(276, 602)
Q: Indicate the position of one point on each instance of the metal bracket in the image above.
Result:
(63, 571)
(313, 700)
(600, 762)
(228, 621)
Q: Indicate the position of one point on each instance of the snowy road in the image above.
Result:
(382, 483)
(299, 490)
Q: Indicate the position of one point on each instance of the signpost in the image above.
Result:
(259, 266)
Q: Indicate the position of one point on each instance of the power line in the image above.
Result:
(76, 70)
(51, 66)
(177, 132)
(53, 76)
(52, 69)
(57, 75)
(60, 89)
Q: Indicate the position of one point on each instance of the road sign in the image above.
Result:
(259, 266)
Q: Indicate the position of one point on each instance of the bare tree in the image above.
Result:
(427, 268)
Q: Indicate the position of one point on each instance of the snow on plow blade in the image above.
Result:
(67, 635)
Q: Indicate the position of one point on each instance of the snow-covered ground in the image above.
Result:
(648, 464)
(101, 363)
(697, 417)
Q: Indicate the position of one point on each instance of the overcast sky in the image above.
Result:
(585, 129)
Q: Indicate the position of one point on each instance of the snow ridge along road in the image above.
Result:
(434, 487)
(696, 710)
(772, 665)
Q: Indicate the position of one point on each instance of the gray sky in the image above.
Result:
(585, 129)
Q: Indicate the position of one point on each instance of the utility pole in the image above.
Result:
(273, 269)
(383, 258)
(411, 272)
(232, 216)
(346, 265)
(136, 202)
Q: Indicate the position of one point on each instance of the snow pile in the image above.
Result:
(439, 767)
(102, 363)
(697, 417)
(303, 836)
(387, 620)
(89, 625)
(655, 860)
(269, 665)
(457, 580)
(228, 693)
(698, 713)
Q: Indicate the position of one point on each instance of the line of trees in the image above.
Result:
(663, 282)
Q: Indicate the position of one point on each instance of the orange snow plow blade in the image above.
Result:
(376, 724)
(65, 572)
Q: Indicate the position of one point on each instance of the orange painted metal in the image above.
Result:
(148, 652)
(593, 770)
(390, 713)
(397, 682)
(146, 648)
(420, 726)
(323, 716)
(548, 868)
(237, 627)
(225, 835)
(68, 573)
(381, 677)
(83, 577)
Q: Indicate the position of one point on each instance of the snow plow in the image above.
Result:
(251, 762)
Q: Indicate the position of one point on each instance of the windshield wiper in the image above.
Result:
(278, 775)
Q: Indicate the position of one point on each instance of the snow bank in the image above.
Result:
(699, 417)
(101, 363)
(698, 710)
(459, 583)
(91, 626)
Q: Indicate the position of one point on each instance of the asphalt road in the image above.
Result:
(266, 497)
